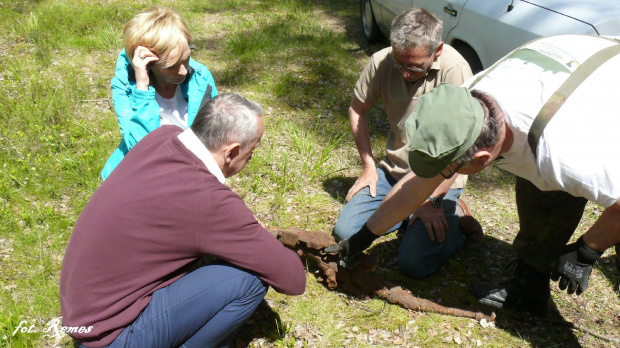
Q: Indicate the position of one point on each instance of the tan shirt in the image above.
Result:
(381, 79)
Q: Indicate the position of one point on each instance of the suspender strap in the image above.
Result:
(558, 98)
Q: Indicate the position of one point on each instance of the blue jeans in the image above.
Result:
(202, 309)
(418, 255)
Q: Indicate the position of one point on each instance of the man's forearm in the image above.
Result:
(361, 132)
(361, 135)
(605, 232)
(444, 187)
(403, 200)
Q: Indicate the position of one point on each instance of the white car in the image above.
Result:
(483, 31)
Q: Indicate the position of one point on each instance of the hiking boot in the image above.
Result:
(529, 291)
(469, 227)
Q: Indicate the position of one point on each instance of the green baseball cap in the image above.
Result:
(444, 124)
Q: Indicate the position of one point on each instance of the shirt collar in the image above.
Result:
(191, 141)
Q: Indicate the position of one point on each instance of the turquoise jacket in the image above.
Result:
(137, 110)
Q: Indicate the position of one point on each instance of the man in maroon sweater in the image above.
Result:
(127, 277)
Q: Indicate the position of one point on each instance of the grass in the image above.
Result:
(300, 60)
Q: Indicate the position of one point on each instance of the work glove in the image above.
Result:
(575, 266)
(351, 247)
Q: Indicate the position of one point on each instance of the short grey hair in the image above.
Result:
(226, 118)
(493, 123)
(414, 28)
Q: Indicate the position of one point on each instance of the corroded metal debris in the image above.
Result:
(362, 280)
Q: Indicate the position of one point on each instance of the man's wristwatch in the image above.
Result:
(436, 201)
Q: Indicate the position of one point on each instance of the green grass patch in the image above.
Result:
(299, 59)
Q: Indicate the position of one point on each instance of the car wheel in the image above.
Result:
(369, 24)
(470, 56)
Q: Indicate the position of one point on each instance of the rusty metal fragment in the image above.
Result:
(362, 280)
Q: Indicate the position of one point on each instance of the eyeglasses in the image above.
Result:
(413, 69)
(451, 172)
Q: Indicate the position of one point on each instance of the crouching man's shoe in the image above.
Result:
(469, 227)
(529, 291)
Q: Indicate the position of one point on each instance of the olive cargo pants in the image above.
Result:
(547, 221)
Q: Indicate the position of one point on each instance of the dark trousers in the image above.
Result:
(547, 221)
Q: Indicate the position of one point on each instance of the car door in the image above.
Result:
(449, 11)
(494, 28)
(389, 9)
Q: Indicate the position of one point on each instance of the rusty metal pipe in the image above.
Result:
(362, 279)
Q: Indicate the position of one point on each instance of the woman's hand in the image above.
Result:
(142, 57)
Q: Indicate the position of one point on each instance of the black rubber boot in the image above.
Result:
(618, 256)
(529, 291)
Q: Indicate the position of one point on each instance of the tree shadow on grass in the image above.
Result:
(350, 14)
(205, 44)
(23, 6)
(449, 287)
(338, 187)
(540, 332)
(610, 268)
(317, 79)
(264, 323)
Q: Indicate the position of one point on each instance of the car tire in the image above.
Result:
(369, 23)
(470, 56)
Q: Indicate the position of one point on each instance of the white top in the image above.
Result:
(577, 152)
(174, 110)
(189, 139)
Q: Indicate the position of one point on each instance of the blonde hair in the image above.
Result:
(159, 29)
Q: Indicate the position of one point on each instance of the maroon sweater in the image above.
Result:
(147, 225)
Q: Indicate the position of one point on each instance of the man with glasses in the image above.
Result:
(416, 62)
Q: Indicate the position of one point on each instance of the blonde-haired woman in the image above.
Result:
(156, 82)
